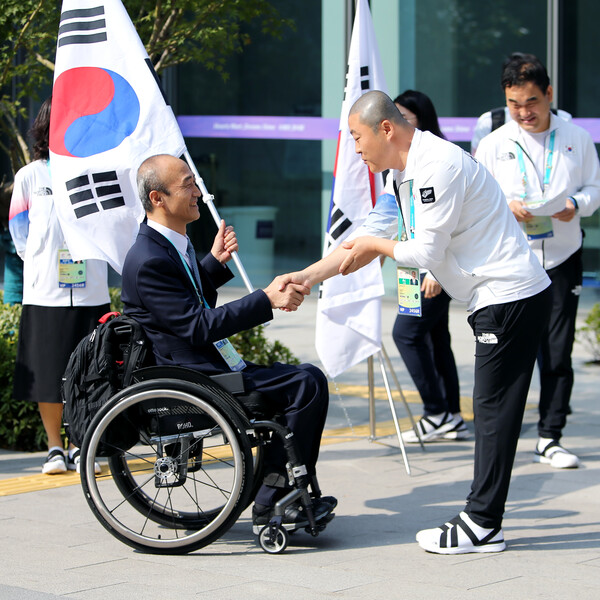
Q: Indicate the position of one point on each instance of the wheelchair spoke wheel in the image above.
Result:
(186, 479)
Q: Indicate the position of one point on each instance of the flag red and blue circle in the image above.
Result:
(93, 110)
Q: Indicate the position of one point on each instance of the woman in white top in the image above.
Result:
(62, 300)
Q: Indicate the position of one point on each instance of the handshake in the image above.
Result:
(286, 292)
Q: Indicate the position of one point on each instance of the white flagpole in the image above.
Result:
(208, 199)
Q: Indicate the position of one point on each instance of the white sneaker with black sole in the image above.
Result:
(461, 536)
(55, 462)
(550, 452)
(436, 427)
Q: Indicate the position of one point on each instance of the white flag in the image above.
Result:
(348, 327)
(108, 115)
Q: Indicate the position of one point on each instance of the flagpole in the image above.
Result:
(208, 200)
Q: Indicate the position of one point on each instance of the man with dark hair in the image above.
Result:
(457, 225)
(549, 172)
(495, 118)
(173, 297)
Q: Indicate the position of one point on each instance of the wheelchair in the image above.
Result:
(185, 457)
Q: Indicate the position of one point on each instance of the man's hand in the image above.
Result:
(284, 294)
(225, 243)
(361, 252)
(521, 213)
(567, 213)
(430, 288)
(299, 277)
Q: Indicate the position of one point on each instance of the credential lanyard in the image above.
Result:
(411, 216)
(225, 348)
(408, 279)
(547, 170)
(189, 272)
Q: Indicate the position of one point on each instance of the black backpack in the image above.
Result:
(102, 364)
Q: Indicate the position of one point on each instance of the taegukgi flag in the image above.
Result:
(348, 327)
(108, 115)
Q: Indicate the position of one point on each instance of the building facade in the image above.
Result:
(450, 49)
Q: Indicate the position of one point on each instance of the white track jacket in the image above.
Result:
(464, 232)
(575, 172)
(38, 237)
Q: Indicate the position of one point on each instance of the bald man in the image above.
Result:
(173, 296)
(458, 226)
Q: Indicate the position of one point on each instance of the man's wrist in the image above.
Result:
(574, 203)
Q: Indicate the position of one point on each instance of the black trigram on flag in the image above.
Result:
(338, 225)
(85, 193)
(365, 83)
(82, 26)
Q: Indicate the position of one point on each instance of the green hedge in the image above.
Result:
(589, 334)
(20, 423)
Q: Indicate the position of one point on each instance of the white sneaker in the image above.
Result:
(550, 452)
(431, 428)
(55, 462)
(459, 431)
(74, 462)
(457, 537)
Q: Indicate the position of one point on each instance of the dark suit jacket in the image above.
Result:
(158, 293)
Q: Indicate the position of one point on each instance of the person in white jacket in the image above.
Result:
(62, 301)
(457, 224)
(492, 119)
(549, 172)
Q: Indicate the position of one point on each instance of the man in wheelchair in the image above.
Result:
(173, 296)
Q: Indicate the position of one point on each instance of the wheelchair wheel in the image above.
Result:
(188, 478)
(273, 541)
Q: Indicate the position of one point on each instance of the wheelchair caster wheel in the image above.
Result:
(273, 540)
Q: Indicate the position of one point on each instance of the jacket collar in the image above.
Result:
(160, 239)
(516, 131)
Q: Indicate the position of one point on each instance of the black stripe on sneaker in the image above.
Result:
(459, 522)
(444, 536)
(489, 536)
(454, 537)
(55, 454)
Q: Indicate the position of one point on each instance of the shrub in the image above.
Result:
(20, 423)
(255, 347)
(589, 334)
(115, 299)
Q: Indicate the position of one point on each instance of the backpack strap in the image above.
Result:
(138, 346)
(137, 353)
(498, 117)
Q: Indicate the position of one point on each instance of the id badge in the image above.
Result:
(230, 355)
(409, 291)
(539, 228)
(70, 274)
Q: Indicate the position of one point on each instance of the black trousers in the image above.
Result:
(301, 393)
(507, 340)
(554, 357)
(424, 345)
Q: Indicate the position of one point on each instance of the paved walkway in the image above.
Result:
(52, 546)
